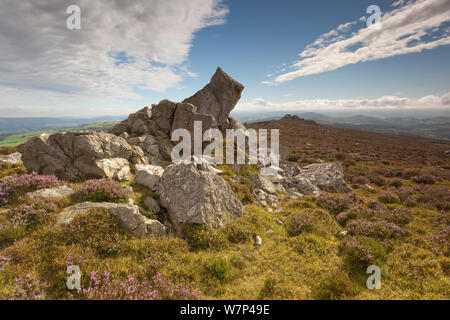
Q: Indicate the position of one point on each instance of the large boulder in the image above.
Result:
(218, 98)
(129, 215)
(149, 176)
(192, 195)
(326, 176)
(78, 155)
(13, 158)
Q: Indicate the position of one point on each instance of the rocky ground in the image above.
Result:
(141, 227)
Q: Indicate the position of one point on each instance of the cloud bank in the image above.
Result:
(384, 103)
(122, 47)
(411, 26)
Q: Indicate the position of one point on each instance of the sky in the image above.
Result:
(291, 55)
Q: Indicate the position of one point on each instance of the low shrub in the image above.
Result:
(243, 192)
(219, 269)
(28, 182)
(102, 287)
(424, 179)
(396, 182)
(300, 223)
(337, 286)
(199, 237)
(98, 230)
(102, 190)
(378, 180)
(337, 203)
(388, 197)
(377, 229)
(24, 288)
(357, 254)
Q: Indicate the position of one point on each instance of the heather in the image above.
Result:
(14, 185)
(102, 190)
(102, 287)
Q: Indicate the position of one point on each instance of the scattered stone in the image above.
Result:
(14, 158)
(51, 193)
(291, 169)
(152, 205)
(257, 242)
(149, 176)
(447, 153)
(279, 222)
(129, 215)
(235, 179)
(264, 182)
(265, 199)
(327, 177)
(201, 197)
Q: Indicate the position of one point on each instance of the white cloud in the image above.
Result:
(381, 103)
(41, 59)
(410, 27)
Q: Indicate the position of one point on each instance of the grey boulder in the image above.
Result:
(326, 176)
(77, 155)
(149, 176)
(194, 196)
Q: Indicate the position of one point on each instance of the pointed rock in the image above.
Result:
(218, 98)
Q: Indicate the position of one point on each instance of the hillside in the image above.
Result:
(396, 217)
(433, 128)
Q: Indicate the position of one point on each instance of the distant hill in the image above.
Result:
(13, 139)
(20, 125)
(434, 128)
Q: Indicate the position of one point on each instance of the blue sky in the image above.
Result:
(170, 49)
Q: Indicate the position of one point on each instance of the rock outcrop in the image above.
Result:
(79, 155)
(129, 215)
(191, 195)
(218, 98)
(13, 158)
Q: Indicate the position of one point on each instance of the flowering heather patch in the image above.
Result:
(438, 198)
(376, 206)
(337, 204)
(388, 197)
(396, 182)
(424, 179)
(4, 261)
(358, 253)
(377, 229)
(102, 287)
(27, 288)
(101, 190)
(26, 182)
(352, 213)
(299, 224)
